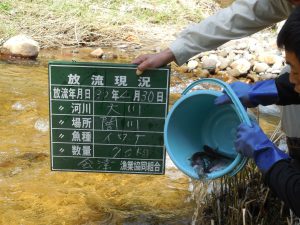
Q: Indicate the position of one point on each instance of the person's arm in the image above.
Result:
(284, 179)
(279, 91)
(242, 18)
(286, 93)
(153, 60)
(282, 175)
(251, 95)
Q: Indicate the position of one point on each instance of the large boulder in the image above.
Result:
(21, 46)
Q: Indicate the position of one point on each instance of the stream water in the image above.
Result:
(32, 194)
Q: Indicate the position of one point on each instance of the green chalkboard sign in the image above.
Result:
(105, 118)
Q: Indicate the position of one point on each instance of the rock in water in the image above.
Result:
(97, 53)
(21, 46)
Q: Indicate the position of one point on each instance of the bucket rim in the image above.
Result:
(236, 163)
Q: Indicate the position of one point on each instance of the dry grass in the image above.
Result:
(59, 23)
(242, 199)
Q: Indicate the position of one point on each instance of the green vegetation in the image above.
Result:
(56, 23)
(4, 6)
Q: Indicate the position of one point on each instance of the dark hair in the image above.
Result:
(289, 35)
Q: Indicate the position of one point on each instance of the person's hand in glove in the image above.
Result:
(252, 95)
(253, 143)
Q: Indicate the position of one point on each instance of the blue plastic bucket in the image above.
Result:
(195, 121)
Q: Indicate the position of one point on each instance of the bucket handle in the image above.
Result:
(239, 107)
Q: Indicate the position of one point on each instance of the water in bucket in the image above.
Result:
(195, 124)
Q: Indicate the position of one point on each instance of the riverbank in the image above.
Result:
(137, 28)
(60, 23)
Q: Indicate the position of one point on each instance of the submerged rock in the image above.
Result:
(42, 125)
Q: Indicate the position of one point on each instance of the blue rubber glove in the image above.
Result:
(252, 95)
(253, 143)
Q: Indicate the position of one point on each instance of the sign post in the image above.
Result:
(105, 118)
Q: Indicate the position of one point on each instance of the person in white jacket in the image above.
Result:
(241, 19)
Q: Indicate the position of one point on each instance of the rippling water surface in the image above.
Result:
(30, 193)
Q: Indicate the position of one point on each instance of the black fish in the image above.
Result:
(214, 153)
(201, 160)
(207, 159)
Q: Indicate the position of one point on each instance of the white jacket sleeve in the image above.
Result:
(242, 18)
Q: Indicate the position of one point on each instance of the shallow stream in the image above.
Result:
(32, 194)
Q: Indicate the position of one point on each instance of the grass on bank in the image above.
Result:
(243, 199)
(55, 23)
